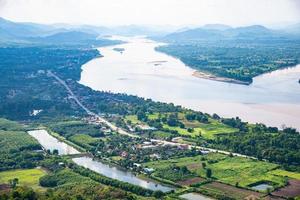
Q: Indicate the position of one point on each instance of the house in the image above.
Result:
(183, 147)
(137, 165)
(204, 152)
(155, 155)
(149, 170)
(124, 154)
(176, 139)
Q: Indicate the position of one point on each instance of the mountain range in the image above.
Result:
(27, 33)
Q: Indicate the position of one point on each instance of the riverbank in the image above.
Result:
(203, 75)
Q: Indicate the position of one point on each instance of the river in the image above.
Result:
(272, 98)
(50, 142)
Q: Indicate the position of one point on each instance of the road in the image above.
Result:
(99, 118)
(123, 132)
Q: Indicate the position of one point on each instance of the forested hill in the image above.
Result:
(30, 34)
(237, 53)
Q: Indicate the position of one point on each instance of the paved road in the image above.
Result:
(123, 132)
(100, 119)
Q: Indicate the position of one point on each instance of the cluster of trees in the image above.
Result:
(265, 143)
(69, 128)
(199, 116)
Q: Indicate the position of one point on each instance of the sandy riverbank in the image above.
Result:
(216, 78)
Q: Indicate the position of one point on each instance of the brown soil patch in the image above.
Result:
(194, 166)
(191, 181)
(291, 190)
(4, 188)
(234, 192)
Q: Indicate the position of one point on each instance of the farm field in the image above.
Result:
(291, 190)
(280, 172)
(26, 177)
(219, 189)
(230, 170)
(16, 140)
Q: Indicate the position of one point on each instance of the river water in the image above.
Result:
(116, 173)
(50, 142)
(273, 98)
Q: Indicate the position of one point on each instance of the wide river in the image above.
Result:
(272, 98)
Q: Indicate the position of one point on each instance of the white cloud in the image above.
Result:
(174, 12)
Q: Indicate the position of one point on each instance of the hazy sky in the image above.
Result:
(160, 12)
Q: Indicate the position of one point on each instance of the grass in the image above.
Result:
(280, 172)
(161, 134)
(27, 177)
(83, 140)
(133, 118)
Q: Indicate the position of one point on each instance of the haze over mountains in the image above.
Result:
(27, 33)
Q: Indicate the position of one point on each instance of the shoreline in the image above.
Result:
(211, 77)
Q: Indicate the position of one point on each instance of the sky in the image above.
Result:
(153, 12)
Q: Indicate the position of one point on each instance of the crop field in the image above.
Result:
(27, 177)
(220, 189)
(280, 172)
(291, 190)
(16, 140)
(242, 171)
(231, 170)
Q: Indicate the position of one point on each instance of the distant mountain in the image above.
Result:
(220, 27)
(223, 32)
(39, 34)
(22, 30)
(292, 29)
(67, 37)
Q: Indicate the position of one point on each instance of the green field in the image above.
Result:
(280, 172)
(27, 177)
(16, 140)
(230, 170)
(82, 140)
(133, 118)
(8, 125)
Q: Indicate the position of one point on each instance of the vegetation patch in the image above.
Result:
(174, 173)
(280, 172)
(26, 177)
(17, 150)
(85, 141)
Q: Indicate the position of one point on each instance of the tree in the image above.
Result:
(157, 194)
(141, 115)
(203, 165)
(55, 152)
(208, 173)
(13, 182)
